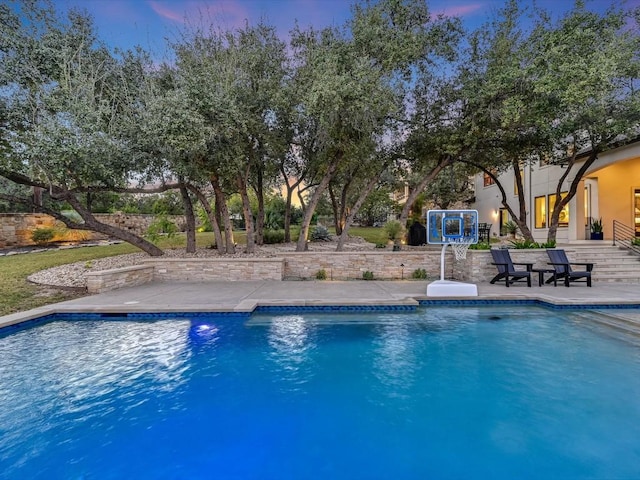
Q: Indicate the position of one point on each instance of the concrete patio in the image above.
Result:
(245, 296)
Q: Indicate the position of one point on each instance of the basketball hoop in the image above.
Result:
(460, 249)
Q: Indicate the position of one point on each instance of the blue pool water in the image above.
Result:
(484, 392)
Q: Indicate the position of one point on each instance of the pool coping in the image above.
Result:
(247, 307)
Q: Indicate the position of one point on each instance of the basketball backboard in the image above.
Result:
(452, 226)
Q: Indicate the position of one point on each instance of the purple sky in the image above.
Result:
(125, 23)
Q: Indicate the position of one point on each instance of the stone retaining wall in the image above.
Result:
(135, 222)
(16, 228)
(476, 268)
(207, 269)
(106, 280)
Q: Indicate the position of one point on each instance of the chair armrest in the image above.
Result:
(495, 263)
(560, 264)
(528, 265)
(586, 264)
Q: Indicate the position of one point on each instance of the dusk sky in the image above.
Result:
(124, 23)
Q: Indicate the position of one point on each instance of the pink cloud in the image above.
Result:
(229, 12)
(165, 12)
(459, 10)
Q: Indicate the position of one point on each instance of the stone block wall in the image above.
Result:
(136, 223)
(384, 265)
(477, 268)
(16, 228)
(106, 280)
(207, 269)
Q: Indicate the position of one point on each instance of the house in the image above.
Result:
(610, 190)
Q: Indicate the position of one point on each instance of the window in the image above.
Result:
(563, 220)
(541, 211)
(488, 180)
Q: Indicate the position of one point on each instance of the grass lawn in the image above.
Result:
(17, 294)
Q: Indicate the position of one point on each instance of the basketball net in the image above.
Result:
(460, 248)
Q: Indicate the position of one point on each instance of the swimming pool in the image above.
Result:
(481, 392)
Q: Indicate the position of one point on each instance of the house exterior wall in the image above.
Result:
(610, 182)
(616, 184)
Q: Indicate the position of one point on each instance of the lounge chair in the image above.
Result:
(506, 269)
(563, 270)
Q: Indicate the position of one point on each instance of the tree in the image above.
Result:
(353, 80)
(506, 120)
(67, 95)
(588, 66)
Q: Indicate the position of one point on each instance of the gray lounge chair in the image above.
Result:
(506, 268)
(563, 270)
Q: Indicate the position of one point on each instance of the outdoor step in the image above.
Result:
(614, 267)
(611, 325)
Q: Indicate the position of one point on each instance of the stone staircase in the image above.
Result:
(611, 264)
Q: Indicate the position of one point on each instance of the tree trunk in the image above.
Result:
(413, 195)
(521, 219)
(246, 212)
(190, 218)
(313, 202)
(335, 209)
(287, 208)
(221, 207)
(573, 188)
(90, 223)
(215, 226)
(260, 215)
(354, 210)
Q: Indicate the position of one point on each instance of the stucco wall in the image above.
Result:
(615, 193)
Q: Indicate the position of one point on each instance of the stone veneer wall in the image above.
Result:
(477, 268)
(384, 265)
(16, 228)
(136, 223)
(106, 280)
(207, 269)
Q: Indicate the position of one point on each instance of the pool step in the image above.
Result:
(623, 324)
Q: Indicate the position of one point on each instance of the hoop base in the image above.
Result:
(447, 288)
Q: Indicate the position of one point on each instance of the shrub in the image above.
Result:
(321, 274)
(43, 235)
(393, 229)
(367, 275)
(320, 234)
(273, 236)
(635, 242)
(520, 244)
(480, 246)
(510, 227)
(161, 226)
(596, 226)
(419, 274)
(550, 244)
(381, 245)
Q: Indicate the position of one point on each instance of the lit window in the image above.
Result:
(563, 219)
(488, 180)
(541, 212)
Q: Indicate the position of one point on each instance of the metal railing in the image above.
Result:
(625, 236)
